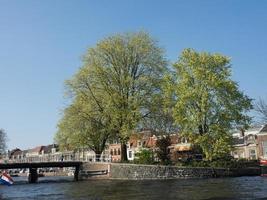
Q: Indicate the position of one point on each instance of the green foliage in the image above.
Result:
(222, 163)
(113, 91)
(145, 156)
(83, 127)
(162, 145)
(206, 102)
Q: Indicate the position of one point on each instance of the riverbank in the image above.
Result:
(147, 172)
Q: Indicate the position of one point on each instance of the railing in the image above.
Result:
(60, 157)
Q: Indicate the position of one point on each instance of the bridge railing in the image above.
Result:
(60, 157)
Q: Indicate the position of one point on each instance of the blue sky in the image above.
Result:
(41, 44)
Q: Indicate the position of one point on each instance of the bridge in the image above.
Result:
(33, 166)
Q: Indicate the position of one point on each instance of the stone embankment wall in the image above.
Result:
(94, 170)
(131, 171)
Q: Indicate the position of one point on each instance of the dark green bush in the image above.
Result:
(145, 156)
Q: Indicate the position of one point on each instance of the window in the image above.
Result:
(119, 152)
(111, 152)
(130, 154)
(115, 152)
(252, 154)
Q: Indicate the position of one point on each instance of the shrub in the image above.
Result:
(145, 156)
(223, 163)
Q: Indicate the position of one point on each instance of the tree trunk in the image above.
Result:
(123, 152)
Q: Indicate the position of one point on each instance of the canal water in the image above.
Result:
(51, 188)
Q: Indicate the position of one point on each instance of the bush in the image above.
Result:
(221, 163)
(145, 156)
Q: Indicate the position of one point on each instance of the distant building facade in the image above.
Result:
(250, 144)
(262, 142)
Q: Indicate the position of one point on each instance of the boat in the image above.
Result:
(263, 165)
(5, 179)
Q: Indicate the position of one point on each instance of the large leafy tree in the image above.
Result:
(160, 120)
(3, 139)
(118, 82)
(207, 103)
(83, 127)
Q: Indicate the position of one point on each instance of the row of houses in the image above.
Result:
(180, 147)
(137, 142)
(48, 153)
(250, 144)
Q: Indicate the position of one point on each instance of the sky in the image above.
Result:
(42, 43)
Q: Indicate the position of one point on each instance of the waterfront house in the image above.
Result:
(114, 150)
(15, 154)
(180, 148)
(246, 144)
(138, 141)
(262, 142)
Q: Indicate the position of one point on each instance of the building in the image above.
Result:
(262, 142)
(114, 150)
(138, 141)
(15, 154)
(180, 148)
(246, 144)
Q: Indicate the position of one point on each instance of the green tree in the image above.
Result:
(120, 77)
(160, 120)
(83, 127)
(163, 153)
(207, 103)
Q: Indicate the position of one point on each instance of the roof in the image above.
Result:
(184, 147)
(15, 152)
(264, 129)
(151, 142)
(36, 149)
(254, 130)
(143, 137)
(48, 149)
